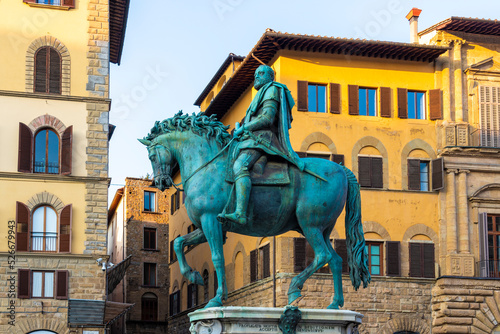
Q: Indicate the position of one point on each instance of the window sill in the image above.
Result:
(150, 286)
(41, 5)
(150, 250)
(152, 212)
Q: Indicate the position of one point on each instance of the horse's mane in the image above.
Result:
(199, 124)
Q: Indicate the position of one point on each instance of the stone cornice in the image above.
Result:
(33, 255)
(55, 97)
(52, 178)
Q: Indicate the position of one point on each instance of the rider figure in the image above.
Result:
(264, 132)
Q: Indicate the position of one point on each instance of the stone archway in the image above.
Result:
(406, 324)
(377, 144)
(34, 323)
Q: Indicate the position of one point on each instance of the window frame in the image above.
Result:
(260, 263)
(368, 247)
(493, 248)
(413, 174)
(151, 203)
(316, 97)
(147, 278)
(32, 285)
(147, 231)
(44, 237)
(59, 148)
(64, 4)
(367, 104)
(416, 104)
(371, 171)
(48, 66)
(151, 301)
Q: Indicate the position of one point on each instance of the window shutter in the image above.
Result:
(341, 249)
(402, 103)
(25, 149)
(428, 256)
(41, 70)
(23, 283)
(29, 1)
(190, 296)
(435, 104)
(437, 166)
(302, 103)
(266, 261)
(22, 227)
(484, 268)
(54, 72)
(415, 259)
(177, 200)
(172, 204)
(385, 102)
(66, 151)
(377, 173)
(335, 98)
(353, 99)
(393, 264)
(65, 229)
(364, 171)
(413, 174)
(62, 284)
(338, 158)
(69, 3)
(299, 254)
(253, 265)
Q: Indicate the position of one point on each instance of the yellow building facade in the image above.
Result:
(54, 171)
(416, 124)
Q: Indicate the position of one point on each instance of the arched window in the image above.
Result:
(149, 307)
(42, 332)
(46, 152)
(47, 71)
(44, 229)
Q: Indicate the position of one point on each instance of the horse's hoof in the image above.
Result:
(214, 302)
(293, 296)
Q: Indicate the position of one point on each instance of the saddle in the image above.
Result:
(264, 172)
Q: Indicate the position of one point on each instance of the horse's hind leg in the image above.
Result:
(336, 269)
(194, 238)
(322, 256)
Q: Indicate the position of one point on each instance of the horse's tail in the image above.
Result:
(357, 257)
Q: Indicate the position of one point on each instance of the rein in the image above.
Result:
(176, 185)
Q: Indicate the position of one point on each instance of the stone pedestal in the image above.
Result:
(253, 320)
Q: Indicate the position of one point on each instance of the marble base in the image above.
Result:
(253, 320)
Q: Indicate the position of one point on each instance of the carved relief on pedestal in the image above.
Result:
(450, 136)
(462, 135)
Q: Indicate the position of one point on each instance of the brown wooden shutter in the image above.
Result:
(335, 98)
(435, 104)
(413, 174)
(415, 259)
(22, 227)
(41, 69)
(437, 166)
(364, 171)
(177, 200)
(340, 246)
(65, 229)
(302, 103)
(254, 265)
(66, 151)
(338, 158)
(23, 283)
(484, 268)
(385, 102)
(29, 1)
(299, 254)
(377, 172)
(393, 264)
(172, 204)
(402, 103)
(24, 163)
(190, 296)
(266, 261)
(428, 260)
(352, 91)
(62, 284)
(69, 3)
(54, 76)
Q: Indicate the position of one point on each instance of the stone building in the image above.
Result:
(54, 96)
(418, 124)
(137, 227)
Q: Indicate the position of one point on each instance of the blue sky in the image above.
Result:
(173, 48)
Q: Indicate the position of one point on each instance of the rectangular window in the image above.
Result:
(175, 303)
(418, 175)
(149, 238)
(367, 101)
(149, 201)
(42, 284)
(304, 256)
(416, 105)
(422, 259)
(316, 98)
(49, 2)
(375, 256)
(192, 300)
(260, 263)
(493, 222)
(489, 112)
(370, 172)
(150, 274)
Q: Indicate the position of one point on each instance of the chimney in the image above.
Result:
(413, 18)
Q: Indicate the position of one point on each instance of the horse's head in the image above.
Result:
(162, 162)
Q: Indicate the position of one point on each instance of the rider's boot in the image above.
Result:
(243, 185)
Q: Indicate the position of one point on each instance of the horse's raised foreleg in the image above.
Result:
(336, 269)
(322, 256)
(194, 238)
(215, 237)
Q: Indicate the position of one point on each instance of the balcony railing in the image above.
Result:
(465, 135)
(489, 138)
(43, 241)
(489, 269)
(43, 167)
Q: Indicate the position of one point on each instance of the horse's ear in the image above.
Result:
(145, 141)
